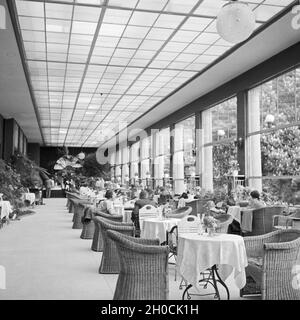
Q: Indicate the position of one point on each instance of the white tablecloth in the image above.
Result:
(30, 197)
(6, 209)
(119, 208)
(196, 253)
(152, 228)
(242, 215)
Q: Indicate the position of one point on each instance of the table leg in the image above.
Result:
(213, 280)
(215, 272)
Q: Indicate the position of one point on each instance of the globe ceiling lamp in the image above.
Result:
(221, 133)
(235, 21)
(269, 120)
(81, 156)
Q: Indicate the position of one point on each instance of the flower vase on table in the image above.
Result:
(210, 223)
(211, 231)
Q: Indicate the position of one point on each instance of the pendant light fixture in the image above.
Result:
(235, 21)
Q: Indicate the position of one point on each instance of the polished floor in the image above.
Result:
(45, 258)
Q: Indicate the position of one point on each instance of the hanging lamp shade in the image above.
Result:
(269, 118)
(81, 156)
(235, 22)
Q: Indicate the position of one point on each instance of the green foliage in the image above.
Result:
(224, 162)
(10, 184)
(31, 175)
(280, 152)
(91, 168)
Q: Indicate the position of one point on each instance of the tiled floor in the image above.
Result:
(45, 258)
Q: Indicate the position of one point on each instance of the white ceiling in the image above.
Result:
(260, 48)
(134, 56)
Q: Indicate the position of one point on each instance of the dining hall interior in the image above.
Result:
(149, 150)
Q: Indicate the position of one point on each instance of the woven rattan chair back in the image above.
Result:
(180, 213)
(97, 243)
(88, 228)
(148, 211)
(279, 251)
(189, 224)
(110, 260)
(262, 220)
(144, 268)
(224, 221)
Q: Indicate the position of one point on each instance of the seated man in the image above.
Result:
(107, 205)
(255, 202)
(164, 197)
(141, 202)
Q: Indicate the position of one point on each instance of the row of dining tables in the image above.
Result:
(221, 254)
(200, 258)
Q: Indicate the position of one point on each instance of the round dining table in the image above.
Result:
(217, 256)
(152, 228)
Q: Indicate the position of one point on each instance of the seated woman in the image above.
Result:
(151, 195)
(182, 200)
(164, 197)
(141, 202)
(107, 206)
(255, 202)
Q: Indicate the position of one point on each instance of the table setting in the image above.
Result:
(211, 259)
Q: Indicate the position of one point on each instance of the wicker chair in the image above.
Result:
(88, 228)
(271, 259)
(262, 220)
(79, 206)
(71, 205)
(224, 221)
(110, 262)
(144, 268)
(97, 244)
(285, 222)
(180, 213)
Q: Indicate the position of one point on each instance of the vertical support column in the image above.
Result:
(198, 129)
(129, 145)
(126, 166)
(253, 166)
(178, 163)
(144, 159)
(241, 129)
(155, 147)
(112, 165)
(172, 133)
(206, 151)
(117, 162)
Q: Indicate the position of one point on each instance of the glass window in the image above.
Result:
(273, 143)
(219, 151)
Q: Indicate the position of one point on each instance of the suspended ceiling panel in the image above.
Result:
(94, 63)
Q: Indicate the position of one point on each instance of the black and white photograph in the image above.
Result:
(149, 151)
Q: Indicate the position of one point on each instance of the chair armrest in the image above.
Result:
(280, 246)
(286, 220)
(148, 242)
(150, 249)
(255, 244)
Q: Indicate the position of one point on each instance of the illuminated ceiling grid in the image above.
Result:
(94, 63)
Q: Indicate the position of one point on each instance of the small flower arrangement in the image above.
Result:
(210, 222)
